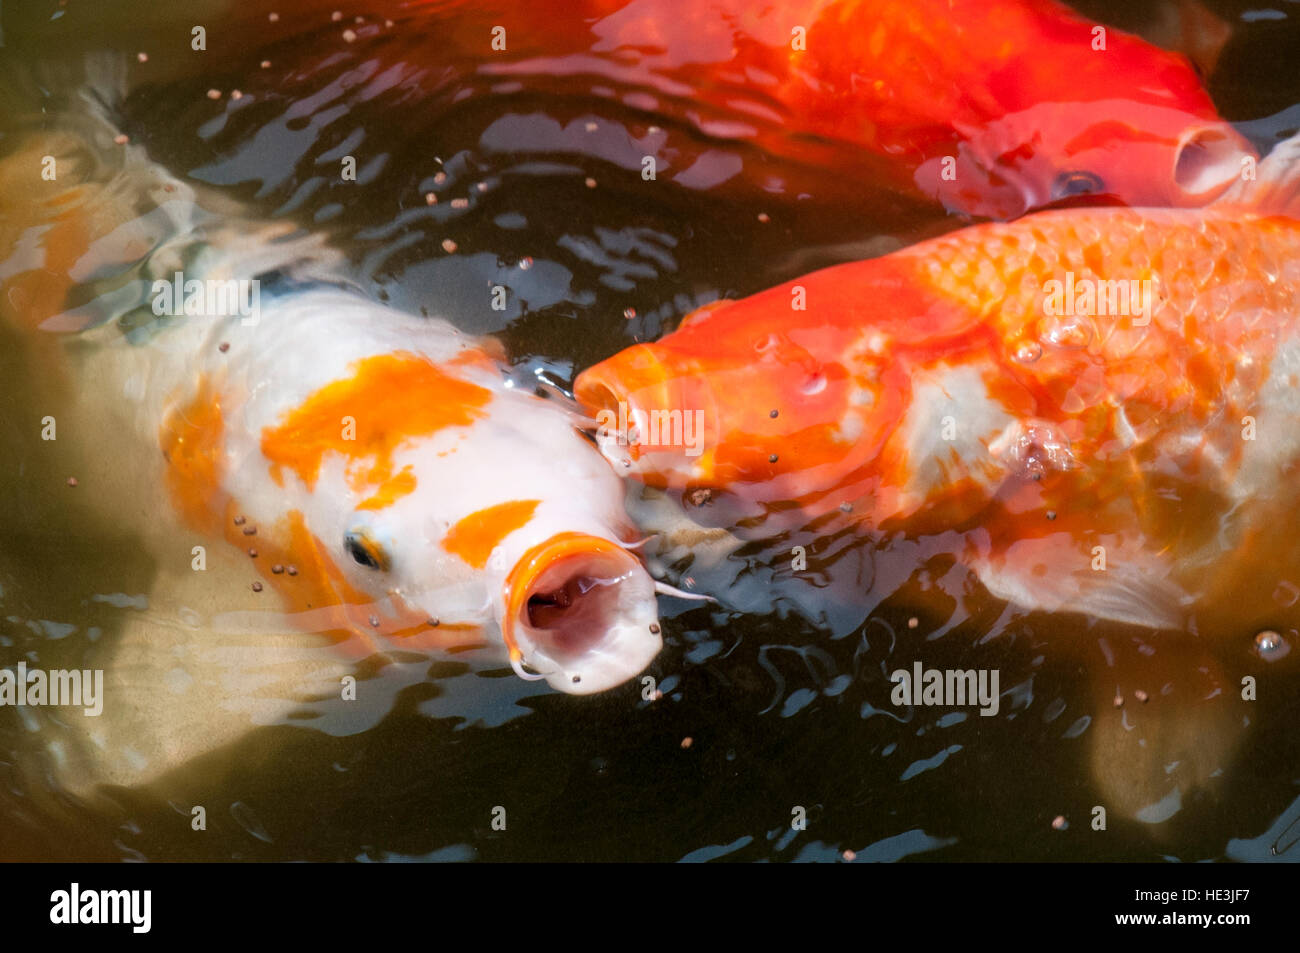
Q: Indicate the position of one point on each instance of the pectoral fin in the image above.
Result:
(1102, 578)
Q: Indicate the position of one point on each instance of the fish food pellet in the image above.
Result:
(250, 530)
(72, 481)
(257, 587)
(277, 569)
(654, 628)
(223, 347)
(239, 521)
(1141, 696)
(292, 570)
(687, 742)
(252, 552)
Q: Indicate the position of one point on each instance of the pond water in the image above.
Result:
(774, 713)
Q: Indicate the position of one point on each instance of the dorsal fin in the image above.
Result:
(1275, 187)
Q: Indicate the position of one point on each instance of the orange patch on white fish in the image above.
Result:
(391, 398)
(391, 491)
(326, 603)
(475, 536)
(192, 438)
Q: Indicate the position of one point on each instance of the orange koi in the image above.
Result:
(1103, 401)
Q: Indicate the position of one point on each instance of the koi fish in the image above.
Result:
(989, 109)
(379, 470)
(1102, 401)
(388, 461)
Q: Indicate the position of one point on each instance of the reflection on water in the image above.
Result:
(774, 703)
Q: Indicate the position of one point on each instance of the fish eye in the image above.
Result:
(365, 551)
(1076, 182)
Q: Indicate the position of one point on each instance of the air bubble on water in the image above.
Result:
(525, 263)
(815, 384)
(629, 313)
(1028, 352)
(1271, 646)
(1031, 449)
(1069, 332)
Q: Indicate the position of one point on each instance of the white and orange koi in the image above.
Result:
(380, 470)
(386, 459)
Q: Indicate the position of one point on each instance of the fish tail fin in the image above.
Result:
(61, 155)
(1271, 186)
(82, 93)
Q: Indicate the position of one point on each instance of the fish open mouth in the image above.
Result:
(581, 611)
(1208, 161)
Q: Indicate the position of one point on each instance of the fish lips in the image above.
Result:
(581, 612)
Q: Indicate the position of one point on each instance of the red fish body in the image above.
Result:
(990, 108)
(1103, 400)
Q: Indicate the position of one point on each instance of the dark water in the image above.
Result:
(764, 714)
